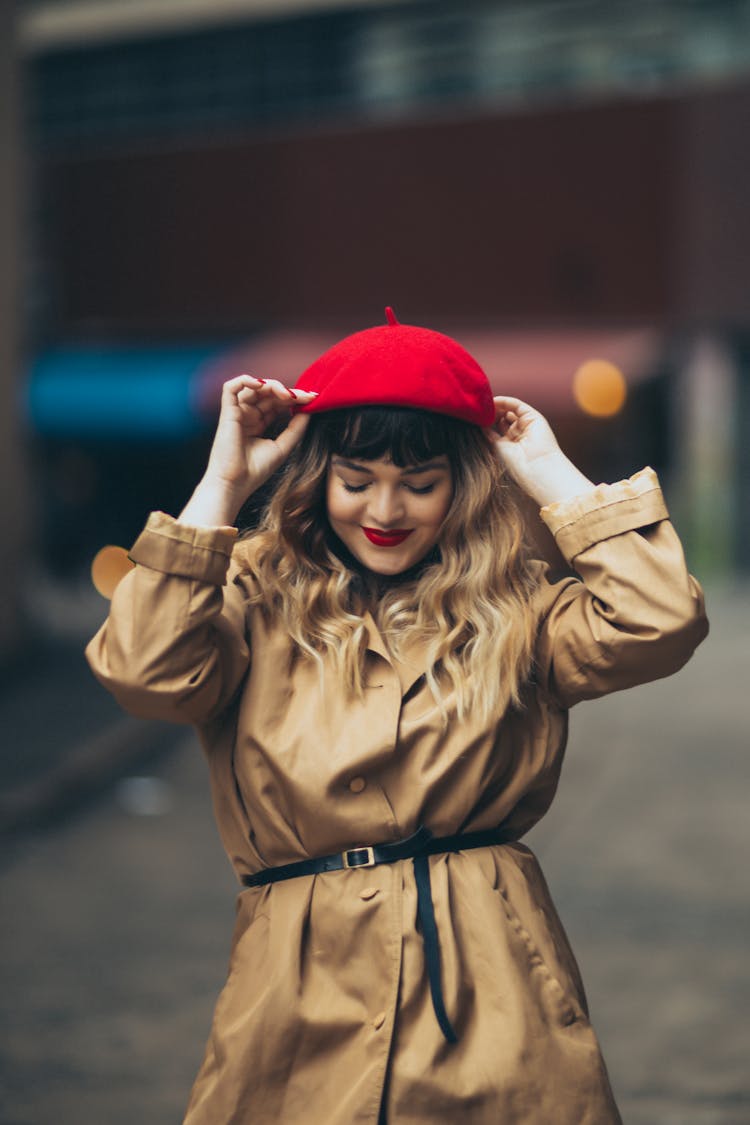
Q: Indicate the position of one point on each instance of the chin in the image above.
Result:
(388, 564)
(386, 567)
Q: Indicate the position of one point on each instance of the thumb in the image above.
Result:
(292, 434)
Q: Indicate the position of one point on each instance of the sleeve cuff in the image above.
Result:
(185, 550)
(610, 509)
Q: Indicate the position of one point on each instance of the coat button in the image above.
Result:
(378, 1021)
(357, 784)
(368, 892)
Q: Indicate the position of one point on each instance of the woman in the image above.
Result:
(380, 677)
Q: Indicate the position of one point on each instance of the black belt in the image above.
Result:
(416, 847)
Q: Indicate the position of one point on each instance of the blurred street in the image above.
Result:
(189, 191)
(117, 918)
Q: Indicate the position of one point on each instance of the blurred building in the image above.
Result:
(14, 500)
(249, 177)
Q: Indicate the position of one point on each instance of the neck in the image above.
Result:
(371, 584)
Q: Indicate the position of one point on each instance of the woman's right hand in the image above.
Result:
(241, 457)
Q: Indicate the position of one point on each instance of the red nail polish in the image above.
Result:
(291, 392)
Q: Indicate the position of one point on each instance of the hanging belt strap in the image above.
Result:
(417, 847)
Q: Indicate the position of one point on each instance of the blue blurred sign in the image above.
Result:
(126, 392)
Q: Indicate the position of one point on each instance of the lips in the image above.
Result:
(386, 538)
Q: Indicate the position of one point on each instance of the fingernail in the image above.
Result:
(291, 392)
(261, 381)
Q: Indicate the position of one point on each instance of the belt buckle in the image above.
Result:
(368, 861)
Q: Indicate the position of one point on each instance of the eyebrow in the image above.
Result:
(414, 471)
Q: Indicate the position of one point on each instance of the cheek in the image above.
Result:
(340, 505)
(330, 499)
(442, 507)
(332, 507)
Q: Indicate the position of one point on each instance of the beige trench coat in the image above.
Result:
(327, 1012)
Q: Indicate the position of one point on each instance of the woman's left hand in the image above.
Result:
(520, 434)
(528, 450)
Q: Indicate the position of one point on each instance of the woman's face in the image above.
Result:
(388, 517)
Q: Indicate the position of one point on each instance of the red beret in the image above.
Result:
(400, 365)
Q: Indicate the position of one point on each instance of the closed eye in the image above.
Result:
(424, 491)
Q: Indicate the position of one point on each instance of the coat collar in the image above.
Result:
(413, 664)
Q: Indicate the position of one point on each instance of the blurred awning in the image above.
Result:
(118, 392)
(537, 366)
(172, 392)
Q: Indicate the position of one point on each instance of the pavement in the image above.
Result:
(117, 902)
(62, 738)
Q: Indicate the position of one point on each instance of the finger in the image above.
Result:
(255, 398)
(257, 410)
(233, 386)
(267, 399)
(504, 405)
(240, 392)
(274, 398)
(504, 419)
(292, 434)
(276, 389)
(507, 402)
(301, 398)
(291, 394)
(247, 394)
(250, 406)
(257, 418)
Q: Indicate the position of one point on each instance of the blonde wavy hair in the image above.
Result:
(469, 601)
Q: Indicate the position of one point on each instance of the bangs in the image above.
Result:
(402, 435)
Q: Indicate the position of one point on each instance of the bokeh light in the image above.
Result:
(109, 567)
(599, 388)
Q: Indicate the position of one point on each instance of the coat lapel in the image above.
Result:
(413, 664)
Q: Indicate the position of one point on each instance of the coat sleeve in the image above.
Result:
(174, 645)
(634, 613)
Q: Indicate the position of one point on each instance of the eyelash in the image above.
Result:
(417, 491)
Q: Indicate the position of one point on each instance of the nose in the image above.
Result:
(386, 507)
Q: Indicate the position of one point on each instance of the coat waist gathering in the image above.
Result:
(418, 847)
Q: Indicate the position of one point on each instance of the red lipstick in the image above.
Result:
(386, 538)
